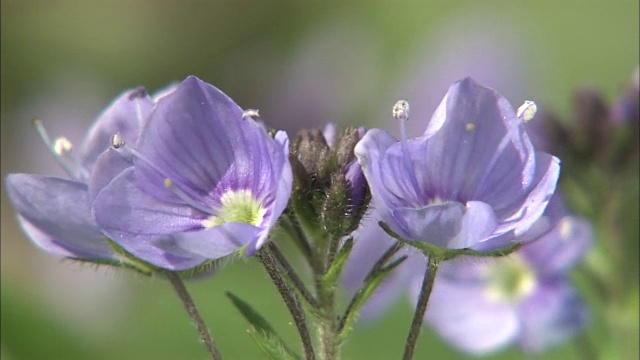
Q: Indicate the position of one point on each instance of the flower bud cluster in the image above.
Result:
(329, 191)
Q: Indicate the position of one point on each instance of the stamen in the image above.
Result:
(62, 146)
(401, 112)
(251, 113)
(527, 110)
(169, 184)
(61, 151)
(129, 153)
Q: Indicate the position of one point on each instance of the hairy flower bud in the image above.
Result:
(330, 192)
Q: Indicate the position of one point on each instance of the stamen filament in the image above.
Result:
(169, 184)
(61, 147)
(401, 112)
(118, 144)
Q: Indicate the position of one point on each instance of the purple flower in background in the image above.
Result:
(369, 243)
(480, 306)
(472, 180)
(55, 213)
(203, 176)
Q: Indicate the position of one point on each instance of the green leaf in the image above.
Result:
(331, 277)
(263, 333)
(371, 283)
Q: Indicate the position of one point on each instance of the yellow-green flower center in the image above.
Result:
(238, 206)
(509, 279)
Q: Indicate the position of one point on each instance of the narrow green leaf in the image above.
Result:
(364, 293)
(331, 277)
(263, 333)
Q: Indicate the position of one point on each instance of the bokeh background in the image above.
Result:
(302, 63)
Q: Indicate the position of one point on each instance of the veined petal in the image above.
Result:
(123, 209)
(108, 166)
(437, 224)
(370, 151)
(470, 321)
(550, 316)
(526, 210)
(474, 140)
(56, 215)
(218, 241)
(125, 116)
(195, 136)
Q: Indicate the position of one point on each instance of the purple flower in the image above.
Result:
(204, 181)
(472, 180)
(55, 213)
(481, 306)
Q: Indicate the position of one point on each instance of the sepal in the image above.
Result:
(441, 253)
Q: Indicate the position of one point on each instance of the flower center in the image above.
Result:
(509, 279)
(237, 206)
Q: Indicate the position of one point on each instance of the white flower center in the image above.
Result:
(509, 279)
(238, 206)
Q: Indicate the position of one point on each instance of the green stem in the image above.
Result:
(190, 306)
(327, 323)
(421, 307)
(290, 299)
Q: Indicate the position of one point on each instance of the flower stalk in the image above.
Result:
(191, 308)
(421, 307)
(290, 299)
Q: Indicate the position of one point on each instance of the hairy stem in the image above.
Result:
(190, 306)
(421, 307)
(292, 274)
(290, 299)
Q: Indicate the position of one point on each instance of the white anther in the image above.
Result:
(62, 146)
(117, 141)
(252, 113)
(527, 110)
(400, 110)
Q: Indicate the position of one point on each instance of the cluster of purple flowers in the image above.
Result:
(188, 177)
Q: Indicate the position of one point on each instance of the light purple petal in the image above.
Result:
(56, 215)
(554, 313)
(218, 241)
(476, 145)
(108, 166)
(369, 150)
(437, 224)
(122, 209)
(559, 249)
(466, 318)
(528, 209)
(125, 116)
(189, 138)
(330, 133)
(478, 223)
(160, 250)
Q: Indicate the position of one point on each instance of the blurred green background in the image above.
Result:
(302, 63)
